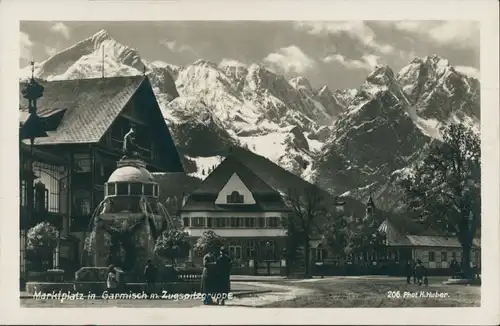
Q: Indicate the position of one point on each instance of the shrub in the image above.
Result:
(43, 236)
(172, 244)
(209, 241)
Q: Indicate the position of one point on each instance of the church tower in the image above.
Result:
(370, 208)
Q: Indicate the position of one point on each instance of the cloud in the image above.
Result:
(62, 29)
(357, 30)
(367, 62)
(457, 33)
(26, 46)
(290, 59)
(231, 63)
(50, 50)
(176, 47)
(469, 71)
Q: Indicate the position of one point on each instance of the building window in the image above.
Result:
(320, 253)
(251, 249)
(235, 222)
(432, 256)
(267, 249)
(136, 189)
(122, 188)
(272, 222)
(220, 222)
(453, 255)
(235, 198)
(198, 221)
(235, 252)
(41, 197)
(249, 222)
(111, 189)
(444, 256)
(148, 189)
(262, 222)
(23, 192)
(186, 222)
(83, 163)
(209, 222)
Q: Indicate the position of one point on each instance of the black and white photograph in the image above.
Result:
(226, 164)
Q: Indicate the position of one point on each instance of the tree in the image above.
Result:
(209, 241)
(445, 189)
(363, 236)
(172, 244)
(337, 235)
(42, 239)
(290, 252)
(309, 212)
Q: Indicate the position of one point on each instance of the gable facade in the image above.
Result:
(235, 193)
(240, 207)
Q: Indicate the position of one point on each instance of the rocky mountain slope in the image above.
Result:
(352, 141)
(388, 125)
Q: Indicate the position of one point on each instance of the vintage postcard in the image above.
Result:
(229, 156)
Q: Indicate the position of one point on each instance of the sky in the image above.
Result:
(339, 54)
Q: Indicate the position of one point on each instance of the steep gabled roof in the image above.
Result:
(90, 105)
(203, 198)
(214, 182)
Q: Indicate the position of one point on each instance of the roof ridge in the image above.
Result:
(123, 108)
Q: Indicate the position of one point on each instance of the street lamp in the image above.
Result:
(31, 129)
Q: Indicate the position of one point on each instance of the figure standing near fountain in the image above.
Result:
(112, 280)
(150, 276)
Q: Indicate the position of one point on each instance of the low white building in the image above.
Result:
(434, 251)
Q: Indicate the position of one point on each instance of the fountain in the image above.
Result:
(126, 224)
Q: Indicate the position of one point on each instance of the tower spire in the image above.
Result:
(32, 62)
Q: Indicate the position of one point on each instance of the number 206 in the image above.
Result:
(393, 294)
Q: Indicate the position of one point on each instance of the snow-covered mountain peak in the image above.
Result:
(204, 63)
(100, 36)
(381, 75)
(85, 60)
(324, 91)
(301, 83)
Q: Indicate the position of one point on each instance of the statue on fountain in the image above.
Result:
(129, 146)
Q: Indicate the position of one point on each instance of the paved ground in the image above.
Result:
(340, 291)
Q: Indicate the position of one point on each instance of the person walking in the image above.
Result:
(420, 272)
(150, 276)
(112, 280)
(208, 276)
(224, 263)
(409, 271)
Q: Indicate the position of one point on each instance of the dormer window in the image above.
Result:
(235, 198)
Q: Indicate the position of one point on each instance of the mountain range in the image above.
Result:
(354, 141)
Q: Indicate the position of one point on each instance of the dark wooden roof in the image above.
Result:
(90, 105)
(203, 198)
(80, 111)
